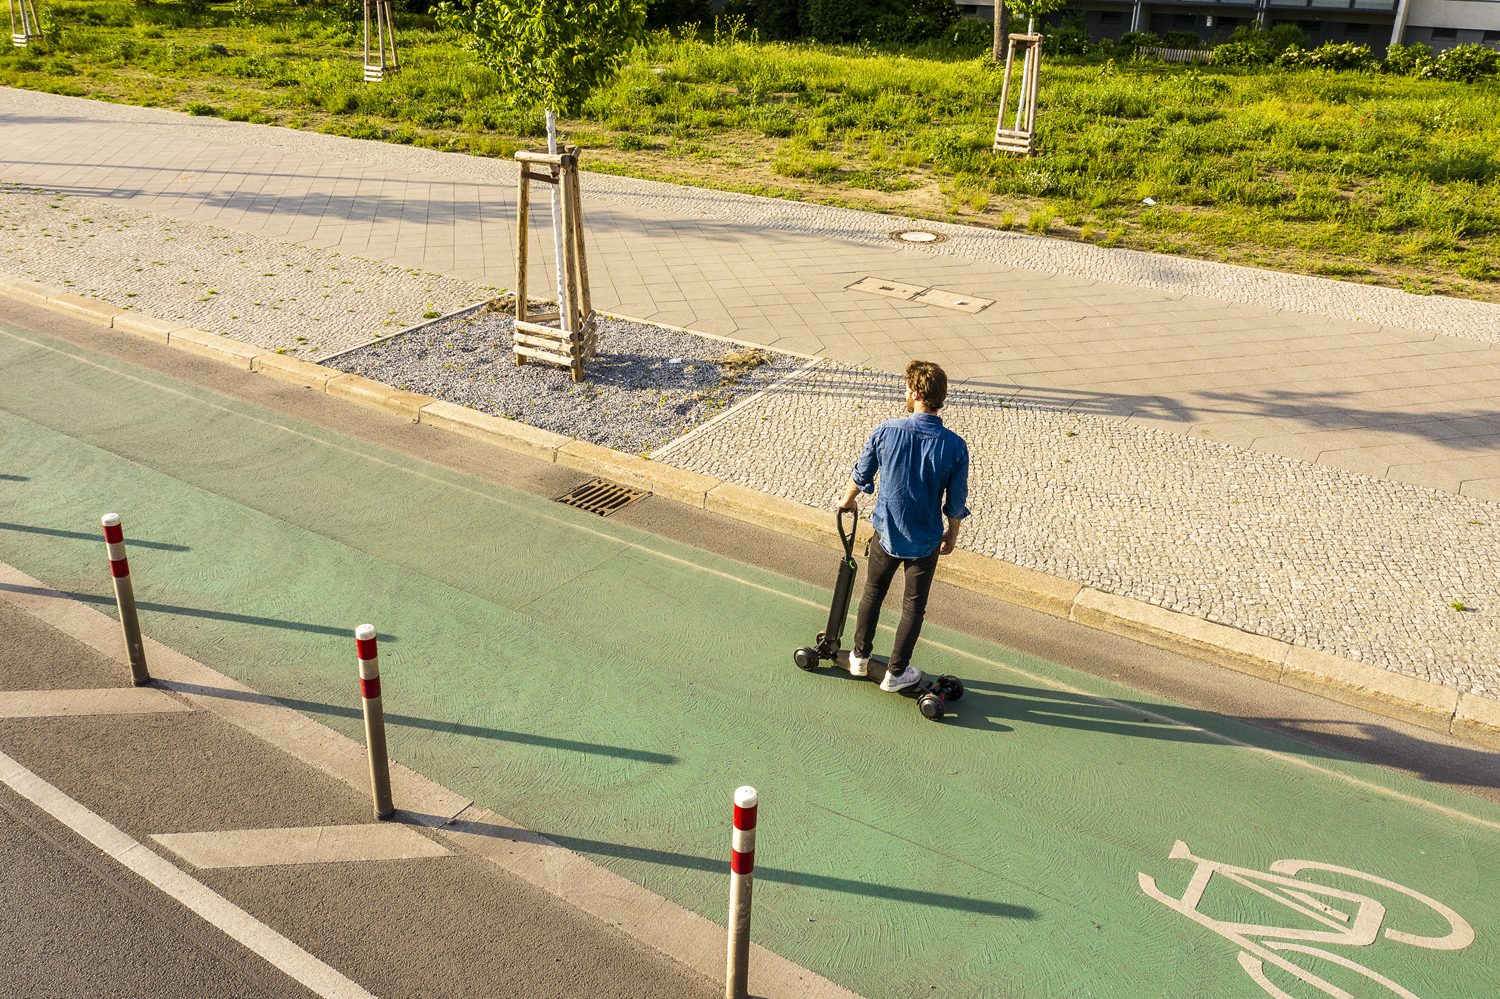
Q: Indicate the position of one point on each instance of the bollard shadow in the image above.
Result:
(53, 532)
(14, 478)
(483, 732)
(720, 865)
(181, 611)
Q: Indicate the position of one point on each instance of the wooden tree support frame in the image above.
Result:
(385, 39)
(570, 335)
(1021, 136)
(25, 28)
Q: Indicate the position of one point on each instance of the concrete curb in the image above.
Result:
(1432, 706)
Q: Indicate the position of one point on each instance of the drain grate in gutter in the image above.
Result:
(602, 497)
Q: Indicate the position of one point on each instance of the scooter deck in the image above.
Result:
(879, 665)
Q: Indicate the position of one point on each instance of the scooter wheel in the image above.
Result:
(955, 687)
(805, 658)
(932, 706)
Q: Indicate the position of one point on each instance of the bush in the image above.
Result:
(1131, 41)
(1241, 54)
(1181, 40)
(1252, 45)
(1344, 56)
(971, 31)
(1405, 60)
(1070, 38)
(671, 13)
(1464, 63)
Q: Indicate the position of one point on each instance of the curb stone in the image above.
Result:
(1428, 705)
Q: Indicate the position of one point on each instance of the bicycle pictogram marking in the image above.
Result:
(1352, 920)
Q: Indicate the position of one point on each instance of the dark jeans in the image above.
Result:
(918, 583)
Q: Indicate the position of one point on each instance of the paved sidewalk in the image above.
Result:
(1299, 474)
(1405, 395)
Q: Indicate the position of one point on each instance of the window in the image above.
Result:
(1356, 31)
(1490, 37)
(1228, 22)
(1444, 34)
(1181, 21)
(1110, 17)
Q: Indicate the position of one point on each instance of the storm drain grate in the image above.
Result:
(602, 497)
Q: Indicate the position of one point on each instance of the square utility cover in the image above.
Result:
(889, 289)
(953, 300)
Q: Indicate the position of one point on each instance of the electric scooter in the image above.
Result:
(931, 695)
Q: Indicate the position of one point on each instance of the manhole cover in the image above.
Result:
(917, 236)
(602, 497)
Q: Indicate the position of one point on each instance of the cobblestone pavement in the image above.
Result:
(279, 295)
(1308, 459)
(1404, 393)
(1346, 563)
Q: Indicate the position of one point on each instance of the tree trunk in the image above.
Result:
(1001, 33)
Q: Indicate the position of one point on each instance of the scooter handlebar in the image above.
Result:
(847, 537)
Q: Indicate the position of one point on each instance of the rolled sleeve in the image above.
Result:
(958, 488)
(863, 475)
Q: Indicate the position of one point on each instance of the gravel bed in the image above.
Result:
(1362, 567)
(298, 299)
(645, 386)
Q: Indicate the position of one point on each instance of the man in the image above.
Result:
(920, 462)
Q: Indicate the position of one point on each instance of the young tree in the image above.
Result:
(549, 52)
(1033, 9)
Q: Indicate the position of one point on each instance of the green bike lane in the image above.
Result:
(1058, 835)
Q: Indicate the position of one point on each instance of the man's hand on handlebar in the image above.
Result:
(850, 501)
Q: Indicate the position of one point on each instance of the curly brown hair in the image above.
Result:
(929, 382)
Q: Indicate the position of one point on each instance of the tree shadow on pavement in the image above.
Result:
(1472, 766)
(1086, 713)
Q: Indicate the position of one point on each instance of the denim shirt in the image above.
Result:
(919, 460)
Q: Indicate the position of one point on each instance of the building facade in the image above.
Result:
(1441, 24)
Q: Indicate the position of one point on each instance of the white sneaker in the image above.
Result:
(908, 677)
(858, 666)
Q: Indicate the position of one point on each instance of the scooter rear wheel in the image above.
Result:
(805, 658)
(931, 705)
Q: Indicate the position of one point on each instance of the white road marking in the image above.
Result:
(99, 701)
(307, 845)
(213, 907)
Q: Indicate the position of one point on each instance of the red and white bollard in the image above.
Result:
(369, 693)
(741, 871)
(119, 570)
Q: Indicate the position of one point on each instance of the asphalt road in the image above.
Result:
(592, 677)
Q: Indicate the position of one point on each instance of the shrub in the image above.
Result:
(1133, 40)
(1241, 54)
(971, 31)
(1464, 63)
(1072, 38)
(1344, 56)
(1406, 60)
(671, 13)
(1181, 40)
(201, 109)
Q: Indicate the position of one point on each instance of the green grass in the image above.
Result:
(1357, 176)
